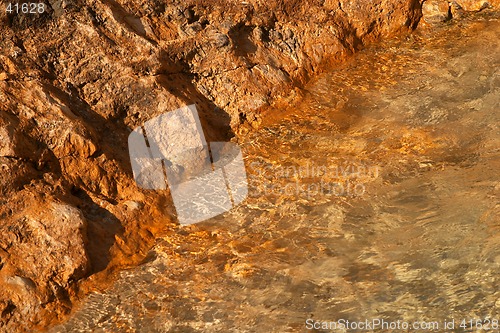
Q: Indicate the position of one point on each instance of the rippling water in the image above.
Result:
(376, 196)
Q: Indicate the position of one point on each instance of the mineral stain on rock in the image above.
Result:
(420, 238)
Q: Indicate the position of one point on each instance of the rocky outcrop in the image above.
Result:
(77, 78)
(42, 253)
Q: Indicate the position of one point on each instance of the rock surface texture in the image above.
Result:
(76, 79)
(435, 11)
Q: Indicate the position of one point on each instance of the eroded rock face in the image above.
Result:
(75, 80)
(42, 252)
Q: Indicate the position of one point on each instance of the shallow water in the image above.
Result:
(375, 197)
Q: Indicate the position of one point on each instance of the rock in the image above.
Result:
(456, 10)
(259, 34)
(474, 5)
(58, 7)
(6, 138)
(23, 282)
(133, 205)
(221, 40)
(435, 11)
(42, 247)
(275, 35)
